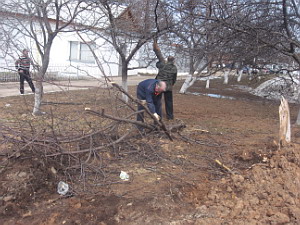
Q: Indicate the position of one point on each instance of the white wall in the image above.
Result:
(60, 53)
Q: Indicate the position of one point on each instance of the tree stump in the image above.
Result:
(285, 123)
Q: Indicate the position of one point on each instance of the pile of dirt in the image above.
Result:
(24, 180)
(268, 193)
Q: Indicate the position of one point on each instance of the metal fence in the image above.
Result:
(54, 72)
(9, 76)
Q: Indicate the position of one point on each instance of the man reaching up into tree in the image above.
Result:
(167, 72)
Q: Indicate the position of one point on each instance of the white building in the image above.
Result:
(69, 57)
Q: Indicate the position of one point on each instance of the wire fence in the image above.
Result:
(54, 72)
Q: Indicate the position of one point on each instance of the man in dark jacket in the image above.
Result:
(23, 66)
(150, 91)
(167, 72)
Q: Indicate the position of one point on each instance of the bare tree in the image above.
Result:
(274, 25)
(210, 33)
(40, 22)
(129, 30)
(192, 35)
(202, 40)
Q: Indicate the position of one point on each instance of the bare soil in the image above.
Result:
(181, 183)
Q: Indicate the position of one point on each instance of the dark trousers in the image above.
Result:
(168, 96)
(25, 75)
(157, 103)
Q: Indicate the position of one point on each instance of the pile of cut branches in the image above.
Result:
(85, 142)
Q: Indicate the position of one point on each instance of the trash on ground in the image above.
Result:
(124, 176)
(62, 188)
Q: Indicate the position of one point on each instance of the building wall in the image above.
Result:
(60, 62)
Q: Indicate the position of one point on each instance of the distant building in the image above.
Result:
(70, 56)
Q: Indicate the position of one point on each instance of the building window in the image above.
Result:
(81, 52)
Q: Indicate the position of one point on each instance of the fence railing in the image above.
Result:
(56, 72)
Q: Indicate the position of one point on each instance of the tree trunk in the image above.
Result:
(240, 74)
(38, 97)
(189, 81)
(226, 73)
(250, 74)
(207, 83)
(124, 80)
(41, 75)
(298, 118)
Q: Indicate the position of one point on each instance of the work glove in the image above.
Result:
(144, 102)
(156, 116)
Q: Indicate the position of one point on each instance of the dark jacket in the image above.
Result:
(167, 72)
(146, 91)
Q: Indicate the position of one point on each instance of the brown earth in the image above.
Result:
(181, 183)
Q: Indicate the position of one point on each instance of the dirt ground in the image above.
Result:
(181, 183)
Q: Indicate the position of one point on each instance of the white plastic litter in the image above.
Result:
(7, 105)
(62, 188)
(124, 176)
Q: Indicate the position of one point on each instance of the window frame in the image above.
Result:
(79, 52)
